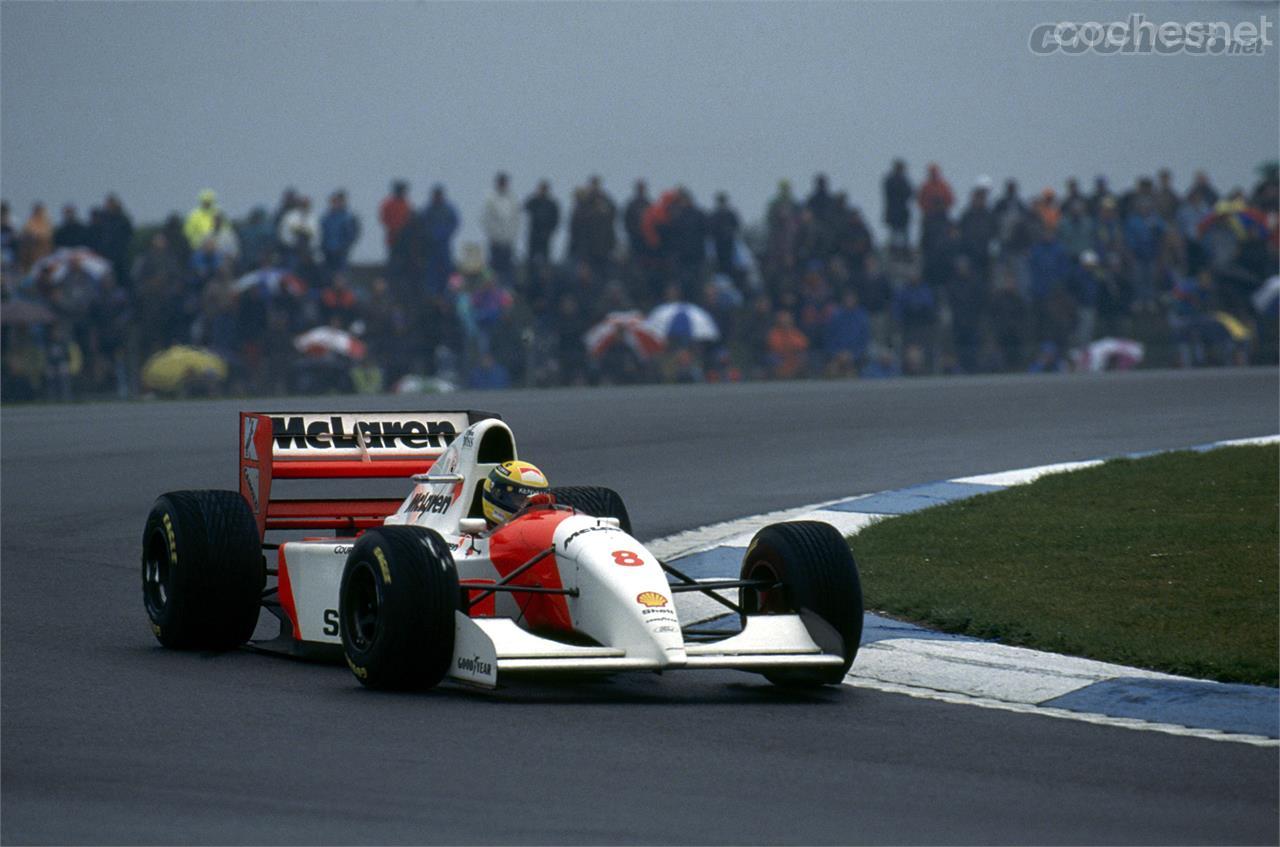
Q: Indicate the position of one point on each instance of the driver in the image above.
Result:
(508, 488)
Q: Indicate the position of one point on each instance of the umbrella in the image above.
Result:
(328, 339)
(1110, 354)
(1244, 222)
(415, 384)
(271, 280)
(629, 328)
(683, 321)
(59, 261)
(169, 370)
(25, 313)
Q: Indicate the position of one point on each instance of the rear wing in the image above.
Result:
(338, 445)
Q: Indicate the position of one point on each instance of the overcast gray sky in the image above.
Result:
(157, 100)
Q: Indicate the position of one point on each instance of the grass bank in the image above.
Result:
(1167, 562)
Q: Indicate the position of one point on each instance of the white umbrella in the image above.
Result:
(270, 279)
(1109, 354)
(683, 321)
(328, 339)
(60, 261)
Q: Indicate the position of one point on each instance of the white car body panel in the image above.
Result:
(623, 602)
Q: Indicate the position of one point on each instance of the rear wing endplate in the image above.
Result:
(338, 445)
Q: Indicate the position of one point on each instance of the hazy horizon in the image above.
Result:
(155, 101)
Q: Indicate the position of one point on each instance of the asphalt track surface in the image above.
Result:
(107, 738)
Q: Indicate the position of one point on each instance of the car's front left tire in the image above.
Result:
(396, 607)
(595, 500)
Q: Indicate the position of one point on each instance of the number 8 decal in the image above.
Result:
(626, 557)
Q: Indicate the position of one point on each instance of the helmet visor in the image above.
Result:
(512, 498)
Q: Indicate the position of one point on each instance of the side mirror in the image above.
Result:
(472, 526)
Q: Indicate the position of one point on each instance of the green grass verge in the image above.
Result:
(1167, 562)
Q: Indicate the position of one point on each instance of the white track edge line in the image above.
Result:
(1064, 714)
(708, 537)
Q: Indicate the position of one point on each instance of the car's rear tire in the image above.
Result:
(819, 581)
(396, 608)
(202, 570)
(596, 501)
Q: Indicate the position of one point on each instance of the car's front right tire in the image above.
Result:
(815, 576)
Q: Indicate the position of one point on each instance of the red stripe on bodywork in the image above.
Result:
(515, 544)
(351, 515)
(285, 592)
(485, 608)
(354, 468)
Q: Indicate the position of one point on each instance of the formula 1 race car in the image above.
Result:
(412, 591)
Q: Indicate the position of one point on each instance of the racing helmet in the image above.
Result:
(508, 488)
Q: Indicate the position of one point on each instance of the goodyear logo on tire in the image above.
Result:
(173, 542)
(382, 562)
(356, 669)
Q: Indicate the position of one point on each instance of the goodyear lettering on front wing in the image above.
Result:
(474, 666)
(475, 659)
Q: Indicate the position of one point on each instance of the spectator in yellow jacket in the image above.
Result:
(201, 221)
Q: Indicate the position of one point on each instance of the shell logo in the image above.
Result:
(651, 599)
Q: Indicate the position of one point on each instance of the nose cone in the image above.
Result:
(624, 600)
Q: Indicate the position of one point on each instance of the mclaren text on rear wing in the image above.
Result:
(347, 445)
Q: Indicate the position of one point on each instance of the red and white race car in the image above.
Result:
(412, 591)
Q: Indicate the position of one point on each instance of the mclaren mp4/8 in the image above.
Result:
(411, 592)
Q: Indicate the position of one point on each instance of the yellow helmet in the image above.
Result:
(508, 487)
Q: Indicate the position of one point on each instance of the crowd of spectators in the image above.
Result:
(996, 281)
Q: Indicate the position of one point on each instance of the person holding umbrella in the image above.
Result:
(622, 345)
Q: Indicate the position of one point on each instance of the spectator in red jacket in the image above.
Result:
(338, 300)
(935, 199)
(395, 212)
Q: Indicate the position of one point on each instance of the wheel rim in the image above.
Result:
(363, 603)
(767, 601)
(155, 575)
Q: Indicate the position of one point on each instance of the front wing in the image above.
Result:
(487, 647)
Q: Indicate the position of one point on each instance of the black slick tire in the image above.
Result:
(596, 501)
(202, 570)
(819, 581)
(396, 608)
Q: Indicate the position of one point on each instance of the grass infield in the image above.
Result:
(1168, 562)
